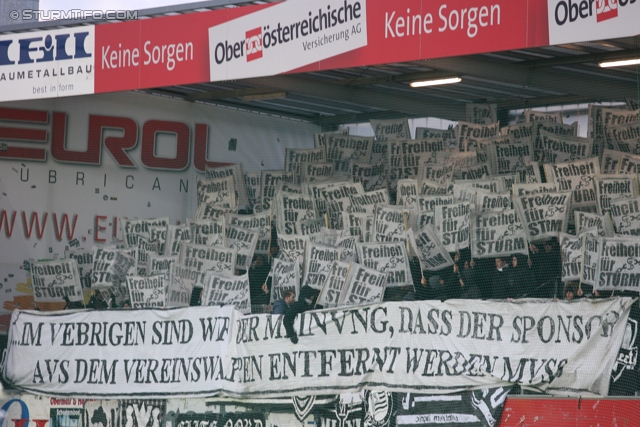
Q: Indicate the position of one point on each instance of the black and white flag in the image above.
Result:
(372, 176)
(315, 171)
(482, 113)
(244, 241)
(206, 231)
(147, 292)
(497, 234)
(363, 286)
(619, 264)
(202, 257)
(571, 251)
(392, 128)
(367, 202)
(260, 222)
(532, 188)
(51, 281)
(407, 192)
(182, 281)
(111, 267)
(555, 148)
(468, 134)
(160, 263)
(334, 285)
(546, 116)
(584, 220)
(285, 276)
(609, 187)
(292, 247)
(217, 191)
(544, 215)
(431, 254)
(452, 225)
(389, 257)
(294, 157)
(389, 223)
(343, 149)
(625, 215)
(268, 182)
(318, 260)
(590, 258)
(252, 184)
(475, 408)
(576, 176)
(227, 290)
(212, 211)
(234, 170)
(176, 234)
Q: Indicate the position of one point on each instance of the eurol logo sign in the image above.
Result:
(47, 64)
(583, 20)
(286, 36)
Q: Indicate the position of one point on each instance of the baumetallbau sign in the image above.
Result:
(47, 64)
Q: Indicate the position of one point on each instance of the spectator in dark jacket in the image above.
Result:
(281, 305)
(306, 302)
(547, 267)
(501, 287)
(468, 284)
(521, 277)
(570, 291)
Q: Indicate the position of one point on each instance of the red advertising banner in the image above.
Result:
(287, 37)
(407, 30)
(553, 412)
(176, 50)
(165, 51)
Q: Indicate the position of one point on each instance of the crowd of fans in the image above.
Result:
(536, 275)
(518, 276)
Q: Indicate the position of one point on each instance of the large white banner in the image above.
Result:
(284, 37)
(424, 347)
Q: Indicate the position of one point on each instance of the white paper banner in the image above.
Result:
(544, 215)
(431, 254)
(498, 234)
(223, 290)
(209, 350)
(52, 281)
(390, 257)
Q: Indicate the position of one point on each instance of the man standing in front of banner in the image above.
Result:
(502, 288)
(282, 305)
(306, 302)
(547, 268)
